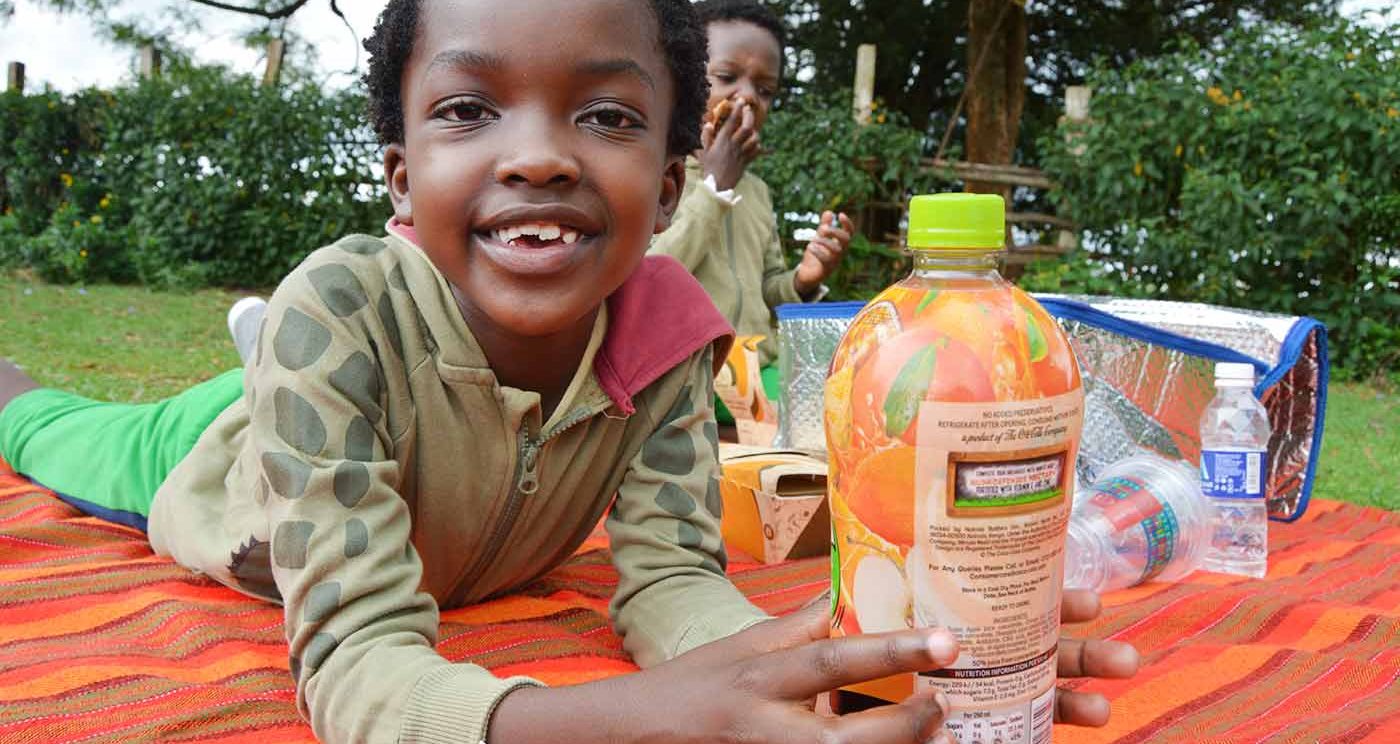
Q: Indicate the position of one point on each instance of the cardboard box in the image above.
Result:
(774, 503)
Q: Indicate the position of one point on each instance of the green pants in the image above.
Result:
(108, 459)
(772, 386)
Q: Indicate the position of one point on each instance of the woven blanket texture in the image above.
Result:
(101, 641)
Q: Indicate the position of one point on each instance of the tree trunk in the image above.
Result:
(996, 85)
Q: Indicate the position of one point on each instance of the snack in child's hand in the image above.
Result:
(724, 108)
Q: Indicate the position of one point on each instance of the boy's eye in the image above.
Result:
(723, 77)
(463, 112)
(612, 119)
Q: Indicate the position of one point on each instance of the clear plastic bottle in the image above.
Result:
(1235, 473)
(1143, 519)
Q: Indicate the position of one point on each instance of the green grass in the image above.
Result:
(132, 344)
(1361, 446)
(115, 343)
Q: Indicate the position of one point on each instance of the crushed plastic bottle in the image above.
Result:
(1143, 519)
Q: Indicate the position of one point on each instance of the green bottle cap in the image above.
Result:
(963, 221)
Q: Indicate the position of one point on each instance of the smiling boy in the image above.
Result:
(441, 415)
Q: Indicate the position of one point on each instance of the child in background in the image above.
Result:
(725, 231)
(442, 414)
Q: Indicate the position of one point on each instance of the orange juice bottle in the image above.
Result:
(953, 411)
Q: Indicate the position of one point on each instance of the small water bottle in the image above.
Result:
(1143, 519)
(1235, 473)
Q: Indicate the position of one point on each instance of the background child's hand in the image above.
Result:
(823, 253)
(1093, 658)
(728, 147)
(756, 686)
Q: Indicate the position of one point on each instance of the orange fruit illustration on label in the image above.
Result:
(915, 366)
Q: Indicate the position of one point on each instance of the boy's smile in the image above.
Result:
(534, 166)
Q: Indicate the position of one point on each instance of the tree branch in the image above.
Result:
(272, 15)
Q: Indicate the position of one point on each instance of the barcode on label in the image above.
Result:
(1042, 717)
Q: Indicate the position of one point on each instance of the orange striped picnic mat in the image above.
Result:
(102, 641)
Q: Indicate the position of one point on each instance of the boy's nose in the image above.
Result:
(536, 158)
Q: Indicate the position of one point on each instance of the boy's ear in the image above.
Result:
(672, 184)
(396, 178)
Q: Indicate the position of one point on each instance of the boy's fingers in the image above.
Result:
(707, 135)
(915, 721)
(806, 670)
(847, 224)
(808, 624)
(1079, 605)
(836, 233)
(731, 124)
(1081, 708)
(1110, 659)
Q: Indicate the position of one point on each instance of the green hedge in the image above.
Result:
(201, 177)
(1262, 172)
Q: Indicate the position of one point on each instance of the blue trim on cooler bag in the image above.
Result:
(1289, 353)
(818, 310)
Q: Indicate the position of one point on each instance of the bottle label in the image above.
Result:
(1233, 474)
(988, 555)
(1125, 500)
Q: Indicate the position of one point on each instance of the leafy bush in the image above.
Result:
(198, 177)
(817, 157)
(1260, 172)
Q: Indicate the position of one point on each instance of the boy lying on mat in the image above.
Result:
(442, 414)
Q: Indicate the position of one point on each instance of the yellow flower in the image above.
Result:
(105, 202)
(77, 222)
(1217, 96)
(1392, 113)
(65, 151)
(83, 253)
(1238, 95)
(874, 105)
(1137, 168)
(1178, 150)
(96, 219)
(1351, 56)
(1248, 106)
(66, 179)
(880, 119)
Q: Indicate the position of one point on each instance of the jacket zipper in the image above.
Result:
(526, 483)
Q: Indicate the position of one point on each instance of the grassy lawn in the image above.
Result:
(130, 344)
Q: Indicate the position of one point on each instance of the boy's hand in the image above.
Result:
(823, 253)
(756, 686)
(727, 149)
(1093, 658)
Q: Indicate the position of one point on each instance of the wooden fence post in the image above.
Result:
(276, 50)
(16, 77)
(150, 61)
(865, 83)
(1077, 98)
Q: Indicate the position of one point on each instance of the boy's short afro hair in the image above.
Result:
(682, 42)
(751, 11)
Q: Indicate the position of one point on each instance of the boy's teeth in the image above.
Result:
(545, 232)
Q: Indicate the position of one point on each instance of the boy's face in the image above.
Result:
(744, 61)
(534, 166)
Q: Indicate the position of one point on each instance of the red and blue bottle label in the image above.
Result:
(1124, 500)
(1233, 474)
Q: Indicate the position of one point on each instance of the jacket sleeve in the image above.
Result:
(672, 592)
(360, 631)
(697, 227)
(778, 288)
